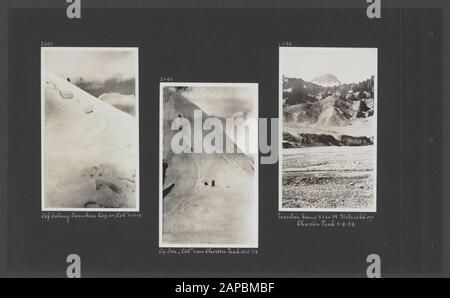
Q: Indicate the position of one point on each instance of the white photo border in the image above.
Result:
(92, 49)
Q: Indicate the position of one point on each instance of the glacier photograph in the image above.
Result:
(89, 129)
(208, 178)
(328, 131)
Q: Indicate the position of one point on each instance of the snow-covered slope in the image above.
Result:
(90, 150)
(195, 212)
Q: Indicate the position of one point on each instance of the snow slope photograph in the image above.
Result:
(90, 129)
(208, 198)
(328, 131)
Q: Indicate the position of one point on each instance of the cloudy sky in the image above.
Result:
(90, 64)
(229, 101)
(226, 102)
(349, 65)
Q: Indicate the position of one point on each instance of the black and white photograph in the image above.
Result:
(209, 165)
(89, 129)
(328, 101)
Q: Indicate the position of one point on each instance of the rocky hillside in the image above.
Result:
(301, 140)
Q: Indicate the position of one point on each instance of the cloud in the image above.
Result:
(225, 102)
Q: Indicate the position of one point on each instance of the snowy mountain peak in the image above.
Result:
(326, 80)
(90, 150)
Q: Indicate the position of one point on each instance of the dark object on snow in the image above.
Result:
(68, 80)
(213, 183)
(206, 183)
(168, 190)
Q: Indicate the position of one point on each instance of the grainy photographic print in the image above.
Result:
(89, 132)
(209, 165)
(328, 99)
